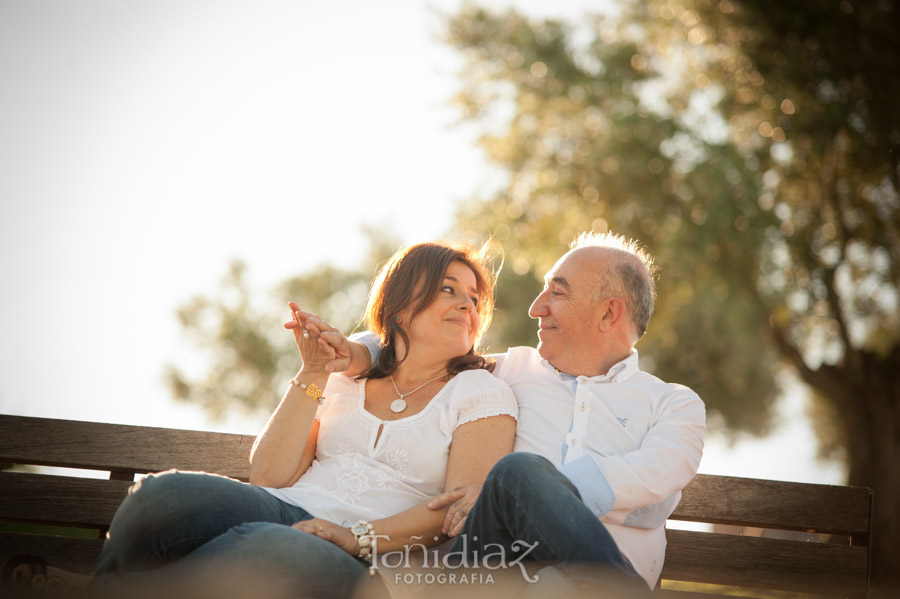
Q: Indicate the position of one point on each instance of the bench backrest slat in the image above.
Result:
(771, 504)
(60, 500)
(119, 447)
(765, 563)
(68, 553)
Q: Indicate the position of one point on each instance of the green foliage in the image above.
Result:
(585, 149)
(812, 102)
(249, 355)
(755, 148)
(754, 156)
(237, 337)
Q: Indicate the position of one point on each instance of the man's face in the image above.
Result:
(567, 316)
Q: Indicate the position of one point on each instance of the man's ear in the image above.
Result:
(613, 311)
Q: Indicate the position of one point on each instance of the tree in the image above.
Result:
(249, 356)
(754, 147)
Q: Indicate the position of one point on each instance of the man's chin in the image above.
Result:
(543, 350)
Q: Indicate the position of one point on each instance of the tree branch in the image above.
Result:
(829, 197)
(826, 379)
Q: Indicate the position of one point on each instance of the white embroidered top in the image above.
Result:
(353, 477)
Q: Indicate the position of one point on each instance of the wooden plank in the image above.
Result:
(75, 555)
(60, 500)
(774, 504)
(122, 448)
(765, 563)
(679, 594)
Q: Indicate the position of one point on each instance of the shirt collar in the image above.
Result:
(619, 371)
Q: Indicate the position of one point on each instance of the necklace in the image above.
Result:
(399, 404)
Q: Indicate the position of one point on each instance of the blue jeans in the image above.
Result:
(527, 503)
(184, 528)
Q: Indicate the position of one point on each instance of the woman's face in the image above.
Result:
(451, 321)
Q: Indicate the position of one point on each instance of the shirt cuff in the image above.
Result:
(587, 477)
(370, 340)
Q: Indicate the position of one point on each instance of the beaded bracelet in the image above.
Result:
(364, 533)
(312, 389)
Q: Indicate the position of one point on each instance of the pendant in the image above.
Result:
(398, 405)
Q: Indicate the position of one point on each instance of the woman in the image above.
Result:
(341, 461)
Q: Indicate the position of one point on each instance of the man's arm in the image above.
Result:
(365, 346)
(641, 488)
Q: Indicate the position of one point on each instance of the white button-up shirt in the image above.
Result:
(627, 440)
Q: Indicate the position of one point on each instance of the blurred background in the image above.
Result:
(172, 173)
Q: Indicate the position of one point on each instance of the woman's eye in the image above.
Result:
(447, 288)
(474, 301)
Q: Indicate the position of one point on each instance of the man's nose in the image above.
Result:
(538, 306)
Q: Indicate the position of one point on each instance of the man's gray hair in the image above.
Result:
(634, 275)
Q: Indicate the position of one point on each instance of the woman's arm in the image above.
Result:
(475, 448)
(287, 445)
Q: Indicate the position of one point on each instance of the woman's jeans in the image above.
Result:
(185, 528)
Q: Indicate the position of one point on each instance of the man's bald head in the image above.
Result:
(630, 274)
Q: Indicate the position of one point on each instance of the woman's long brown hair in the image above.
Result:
(412, 278)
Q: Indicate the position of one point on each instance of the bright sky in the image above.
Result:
(145, 144)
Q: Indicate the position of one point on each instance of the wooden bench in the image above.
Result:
(832, 559)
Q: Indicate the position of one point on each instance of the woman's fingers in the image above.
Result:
(326, 355)
(325, 534)
(330, 532)
(300, 324)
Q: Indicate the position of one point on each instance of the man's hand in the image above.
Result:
(340, 536)
(460, 500)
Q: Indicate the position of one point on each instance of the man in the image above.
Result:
(602, 449)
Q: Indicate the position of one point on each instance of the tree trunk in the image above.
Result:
(866, 391)
(874, 456)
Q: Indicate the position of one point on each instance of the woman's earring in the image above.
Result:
(397, 319)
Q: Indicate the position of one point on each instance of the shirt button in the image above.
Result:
(582, 406)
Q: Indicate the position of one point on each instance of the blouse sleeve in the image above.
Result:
(478, 394)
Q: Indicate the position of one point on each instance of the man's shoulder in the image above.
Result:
(661, 388)
(517, 360)
(523, 352)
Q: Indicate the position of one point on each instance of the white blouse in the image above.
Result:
(353, 477)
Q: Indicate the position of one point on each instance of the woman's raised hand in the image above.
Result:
(316, 353)
(330, 339)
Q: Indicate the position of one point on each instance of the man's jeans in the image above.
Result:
(526, 502)
(183, 528)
